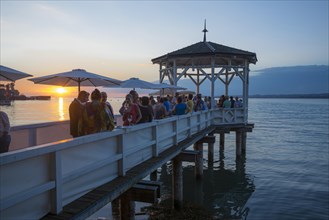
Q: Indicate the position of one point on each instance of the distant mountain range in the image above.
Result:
(291, 80)
(295, 80)
(310, 81)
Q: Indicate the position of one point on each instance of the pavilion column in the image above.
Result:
(212, 82)
(245, 90)
(174, 73)
(160, 73)
(226, 82)
(198, 82)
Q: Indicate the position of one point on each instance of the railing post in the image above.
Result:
(189, 126)
(199, 121)
(56, 175)
(155, 151)
(176, 131)
(235, 118)
(32, 137)
(121, 162)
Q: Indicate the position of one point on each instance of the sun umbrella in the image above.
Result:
(167, 89)
(8, 74)
(76, 77)
(135, 83)
(167, 86)
(171, 92)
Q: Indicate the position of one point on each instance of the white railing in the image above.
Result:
(44, 178)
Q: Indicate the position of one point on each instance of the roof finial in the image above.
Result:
(205, 31)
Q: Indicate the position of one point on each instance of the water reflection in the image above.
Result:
(223, 192)
(61, 108)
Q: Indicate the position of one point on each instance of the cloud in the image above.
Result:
(55, 13)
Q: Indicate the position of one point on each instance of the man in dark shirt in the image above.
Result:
(146, 110)
(76, 110)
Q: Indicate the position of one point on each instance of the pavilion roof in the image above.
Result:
(207, 48)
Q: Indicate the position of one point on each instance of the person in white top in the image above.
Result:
(5, 137)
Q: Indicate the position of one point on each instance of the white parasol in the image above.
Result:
(76, 77)
(8, 74)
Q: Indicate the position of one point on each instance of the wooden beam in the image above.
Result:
(144, 193)
(152, 183)
(188, 155)
(208, 139)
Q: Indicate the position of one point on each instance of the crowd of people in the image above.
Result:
(88, 117)
(229, 102)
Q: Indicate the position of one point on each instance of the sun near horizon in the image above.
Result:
(61, 91)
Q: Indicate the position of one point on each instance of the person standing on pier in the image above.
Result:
(131, 113)
(190, 103)
(146, 110)
(200, 105)
(109, 117)
(227, 102)
(76, 109)
(5, 137)
(159, 109)
(181, 107)
(95, 114)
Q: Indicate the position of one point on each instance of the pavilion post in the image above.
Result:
(174, 73)
(212, 83)
(226, 83)
(198, 82)
(245, 90)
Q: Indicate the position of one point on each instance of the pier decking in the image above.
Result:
(72, 178)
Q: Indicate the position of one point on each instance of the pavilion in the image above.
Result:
(207, 60)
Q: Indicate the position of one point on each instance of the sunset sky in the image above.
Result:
(118, 39)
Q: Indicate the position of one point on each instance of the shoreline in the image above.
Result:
(301, 96)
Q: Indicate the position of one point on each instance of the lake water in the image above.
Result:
(283, 176)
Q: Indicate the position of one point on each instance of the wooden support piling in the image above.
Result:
(116, 209)
(238, 138)
(222, 140)
(198, 146)
(211, 142)
(127, 206)
(177, 183)
(210, 155)
(154, 175)
(244, 142)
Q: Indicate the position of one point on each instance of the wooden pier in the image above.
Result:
(87, 173)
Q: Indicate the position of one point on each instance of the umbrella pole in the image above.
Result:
(78, 87)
